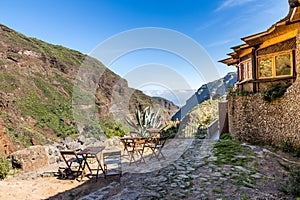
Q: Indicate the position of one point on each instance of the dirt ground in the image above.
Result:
(40, 188)
(48, 188)
(53, 188)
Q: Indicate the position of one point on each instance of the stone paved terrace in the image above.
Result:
(195, 175)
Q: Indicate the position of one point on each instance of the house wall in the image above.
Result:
(223, 116)
(277, 123)
(264, 85)
(246, 87)
(281, 46)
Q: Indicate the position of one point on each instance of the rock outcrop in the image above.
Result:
(33, 158)
(44, 158)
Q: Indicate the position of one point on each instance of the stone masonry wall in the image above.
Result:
(254, 120)
(277, 123)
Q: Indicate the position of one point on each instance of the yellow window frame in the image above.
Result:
(274, 64)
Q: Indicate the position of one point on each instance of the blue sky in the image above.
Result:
(84, 24)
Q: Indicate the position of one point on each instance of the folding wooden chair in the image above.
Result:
(112, 163)
(156, 146)
(70, 157)
(128, 144)
(139, 148)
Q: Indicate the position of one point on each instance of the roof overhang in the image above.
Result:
(253, 40)
(230, 61)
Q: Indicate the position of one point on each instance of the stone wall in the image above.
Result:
(297, 59)
(277, 123)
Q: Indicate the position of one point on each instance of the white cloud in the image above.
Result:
(207, 24)
(178, 97)
(220, 43)
(232, 3)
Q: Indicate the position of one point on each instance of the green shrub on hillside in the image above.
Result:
(4, 167)
(112, 128)
(237, 92)
(115, 130)
(207, 112)
(9, 82)
(92, 131)
(57, 117)
(240, 93)
(170, 130)
(274, 91)
(106, 127)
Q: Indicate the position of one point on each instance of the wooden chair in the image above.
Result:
(139, 148)
(129, 148)
(128, 145)
(156, 146)
(70, 157)
(112, 163)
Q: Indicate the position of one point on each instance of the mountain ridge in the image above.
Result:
(214, 90)
(37, 89)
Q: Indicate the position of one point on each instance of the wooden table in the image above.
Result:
(134, 145)
(94, 152)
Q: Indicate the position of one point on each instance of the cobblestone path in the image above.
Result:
(195, 175)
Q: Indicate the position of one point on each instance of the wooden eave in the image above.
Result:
(240, 47)
(281, 33)
(256, 37)
(292, 16)
(232, 54)
(235, 48)
(291, 21)
(230, 61)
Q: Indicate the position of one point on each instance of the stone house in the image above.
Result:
(266, 58)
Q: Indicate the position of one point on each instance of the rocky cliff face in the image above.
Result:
(36, 91)
(211, 90)
(168, 106)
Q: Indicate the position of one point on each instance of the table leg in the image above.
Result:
(85, 164)
(99, 167)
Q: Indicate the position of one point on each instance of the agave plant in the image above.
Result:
(146, 119)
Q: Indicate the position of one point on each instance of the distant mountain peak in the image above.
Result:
(214, 89)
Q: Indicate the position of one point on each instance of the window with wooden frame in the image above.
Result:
(275, 65)
(246, 70)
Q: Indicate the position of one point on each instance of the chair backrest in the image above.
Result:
(128, 143)
(68, 152)
(112, 153)
(112, 157)
(71, 154)
(159, 142)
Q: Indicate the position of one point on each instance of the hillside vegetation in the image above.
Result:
(36, 90)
